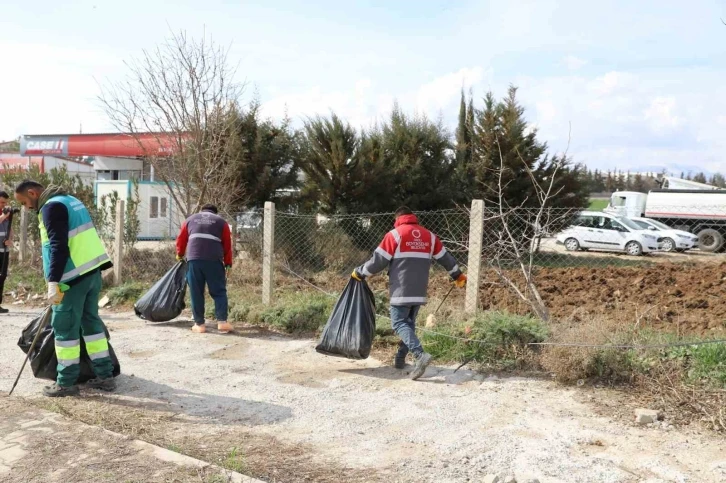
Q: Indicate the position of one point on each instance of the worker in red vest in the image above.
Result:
(407, 252)
(206, 241)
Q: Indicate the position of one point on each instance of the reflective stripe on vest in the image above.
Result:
(205, 235)
(87, 251)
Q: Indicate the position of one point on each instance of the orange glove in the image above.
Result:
(461, 281)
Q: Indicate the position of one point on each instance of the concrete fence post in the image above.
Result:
(24, 222)
(118, 243)
(234, 236)
(476, 234)
(268, 253)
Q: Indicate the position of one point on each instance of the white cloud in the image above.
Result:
(52, 89)
(546, 111)
(365, 102)
(660, 115)
(573, 63)
(610, 83)
(443, 91)
(356, 105)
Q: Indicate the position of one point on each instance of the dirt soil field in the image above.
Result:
(685, 298)
(281, 412)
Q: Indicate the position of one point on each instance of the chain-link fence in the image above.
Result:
(664, 260)
(330, 247)
(552, 262)
(147, 258)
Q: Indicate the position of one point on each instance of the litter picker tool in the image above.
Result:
(46, 318)
(431, 319)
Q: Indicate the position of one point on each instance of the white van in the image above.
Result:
(601, 231)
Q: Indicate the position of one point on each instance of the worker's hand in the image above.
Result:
(179, 258)
(4, 216)
(55, 296)
(357, 276)
(461, 281)
(8, 243)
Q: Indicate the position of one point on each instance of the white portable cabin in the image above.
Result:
(158, 217)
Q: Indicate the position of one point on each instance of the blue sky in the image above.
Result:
(640, 82)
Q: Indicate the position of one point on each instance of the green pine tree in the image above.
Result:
(329, 158)
(505, 145)
(700, 178)
(463, 135)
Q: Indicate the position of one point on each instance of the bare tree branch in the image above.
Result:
(179, 103)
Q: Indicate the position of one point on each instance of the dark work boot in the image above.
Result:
(422, 363)
(108, 384)
(3, 310)
(55, 390)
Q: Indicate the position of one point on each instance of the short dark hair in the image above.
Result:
(4, 194)
(28, 184)
(210, 207)
(402, 211)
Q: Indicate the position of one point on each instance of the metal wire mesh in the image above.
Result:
(317, 247)
(669, 265)
(565, 257)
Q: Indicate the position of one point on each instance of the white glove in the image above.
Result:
(55, 296)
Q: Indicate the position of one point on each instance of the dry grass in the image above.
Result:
(687, 402)
(229, 446)
(94, 456)
(662, 378)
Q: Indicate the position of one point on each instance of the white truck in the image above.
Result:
(699, 209)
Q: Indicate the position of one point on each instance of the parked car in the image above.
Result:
(673, 240)
(601, 231)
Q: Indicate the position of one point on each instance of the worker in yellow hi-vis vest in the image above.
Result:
(73, 258)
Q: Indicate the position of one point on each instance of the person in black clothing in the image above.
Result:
(5, 244)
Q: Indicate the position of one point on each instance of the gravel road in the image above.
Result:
(364, 415)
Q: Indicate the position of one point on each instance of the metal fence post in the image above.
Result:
(476, 234)
(24, 220)
(118, 242)
(268, 253)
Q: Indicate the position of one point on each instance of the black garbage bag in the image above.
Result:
(352, 325)
(165, 300)
(43, 360)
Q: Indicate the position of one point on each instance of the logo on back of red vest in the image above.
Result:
(418, 244)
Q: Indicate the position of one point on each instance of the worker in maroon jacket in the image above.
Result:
(408, 251)
(206, 240)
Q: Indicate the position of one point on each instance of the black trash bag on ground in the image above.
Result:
(352, 325)
(165, 300)
(43, 360)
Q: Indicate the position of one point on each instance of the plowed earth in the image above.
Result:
(683, 297)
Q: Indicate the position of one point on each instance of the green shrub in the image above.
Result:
(23, 278)
(306, 314)
(239, 313)
(502, 340)
(703, 363)
(128, 292)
